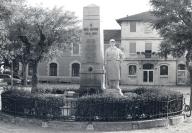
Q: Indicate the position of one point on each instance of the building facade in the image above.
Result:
(60, 69)
(142, 64)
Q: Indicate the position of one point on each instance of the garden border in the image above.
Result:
(94, 126)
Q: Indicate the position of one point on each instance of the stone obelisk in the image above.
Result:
(92, 57)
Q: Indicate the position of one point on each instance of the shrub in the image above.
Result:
(23, 103)
(139, 104)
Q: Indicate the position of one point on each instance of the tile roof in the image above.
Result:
(109, 34)
(144, 16)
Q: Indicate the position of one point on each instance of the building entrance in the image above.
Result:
(148, 70)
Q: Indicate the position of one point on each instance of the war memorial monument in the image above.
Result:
(94, 67)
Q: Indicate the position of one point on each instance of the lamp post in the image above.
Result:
(12, 74)
(12, 54)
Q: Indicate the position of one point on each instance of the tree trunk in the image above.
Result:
(34, 77)
(190, 75)
(189, 67)
(24, 72)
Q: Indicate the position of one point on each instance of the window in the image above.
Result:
(53, 69)
(132, 26)
(181, 74)
(30, 69)
(75, 49)
(181, 67)
(147, 28)
(132, 70)
(148, 50)
(163, 70)
(148, 66)
(75, 69)
(132, 48)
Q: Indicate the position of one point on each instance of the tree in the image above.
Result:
(8, 9)
(174, 24)
(38, 30)
(5, 10)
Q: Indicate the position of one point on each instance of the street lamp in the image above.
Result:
(12, 54)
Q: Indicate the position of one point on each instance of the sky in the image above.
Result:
(110, 10)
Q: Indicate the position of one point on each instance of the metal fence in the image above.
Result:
(39, 109)
(70, 109)
(125, 111)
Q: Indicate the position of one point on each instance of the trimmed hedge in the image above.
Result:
(138, 104)
(23, 103)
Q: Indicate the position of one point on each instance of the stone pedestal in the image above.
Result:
(113, 92)
(92, 54)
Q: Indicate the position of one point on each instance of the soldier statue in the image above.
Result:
(113, 58)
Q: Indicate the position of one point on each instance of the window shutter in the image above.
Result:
(132, 26)
(132, 48)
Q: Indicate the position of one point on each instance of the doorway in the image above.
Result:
(148, 71)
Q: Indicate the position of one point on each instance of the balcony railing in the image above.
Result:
(147, 56)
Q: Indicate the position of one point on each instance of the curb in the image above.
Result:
(93, 126)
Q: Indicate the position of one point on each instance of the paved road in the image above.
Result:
(185, 127)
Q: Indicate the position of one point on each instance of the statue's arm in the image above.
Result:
(121, 54)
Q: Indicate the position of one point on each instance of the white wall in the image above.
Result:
(140, 31)
(140, 45)
(140, 37)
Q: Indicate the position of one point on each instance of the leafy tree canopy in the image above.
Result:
(8, 9)
(36, 30)
(174, 24)
(35, 33)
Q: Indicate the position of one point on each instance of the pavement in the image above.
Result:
(185, 127)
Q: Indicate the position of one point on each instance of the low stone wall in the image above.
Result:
(94, 126)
